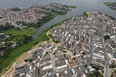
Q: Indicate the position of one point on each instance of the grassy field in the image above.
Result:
(16, 34)
(21, 49)
(26, 31)
(5, 64)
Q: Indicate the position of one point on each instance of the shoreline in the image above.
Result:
(20, 50)
(39, 40)
(110, 5)
(45, 36)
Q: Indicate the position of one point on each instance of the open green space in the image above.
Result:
(19, 50)
(42, 21)
(16, 52)
(26, 31)
(23, 35)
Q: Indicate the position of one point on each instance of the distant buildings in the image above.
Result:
(29, 15)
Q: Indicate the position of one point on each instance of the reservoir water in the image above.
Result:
(82, 6)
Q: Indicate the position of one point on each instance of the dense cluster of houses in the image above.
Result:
(78, 50)
(29, 15)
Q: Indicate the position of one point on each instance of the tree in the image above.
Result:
(106, 37)
(30, 60)
(26, 39)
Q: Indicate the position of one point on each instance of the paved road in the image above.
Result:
(106, 67)
(91, 47)
(58, 71)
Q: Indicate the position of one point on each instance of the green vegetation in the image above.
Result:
(110, 17)
(46, 54)
(16, 52)
(77, 38)
(15, 9)
(83, 53)
(64, 51)
(42, 21)
(106, 37)
(1, 17)
(21, 49)
(56, 41)
(96, 68)
(112, 66)
(85, 14)
(5, 27)
(113, 74)
(95, 74)
(74, 53)
(32, 6)
(30, 60)
(108, 3)
(50, 35)
(68, 6)
(111, 5)
(26, 31)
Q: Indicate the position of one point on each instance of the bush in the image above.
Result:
(106, 37)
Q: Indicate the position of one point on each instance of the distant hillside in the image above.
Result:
(15, 9)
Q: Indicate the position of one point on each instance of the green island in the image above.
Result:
(111, 5)
(7, 62)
